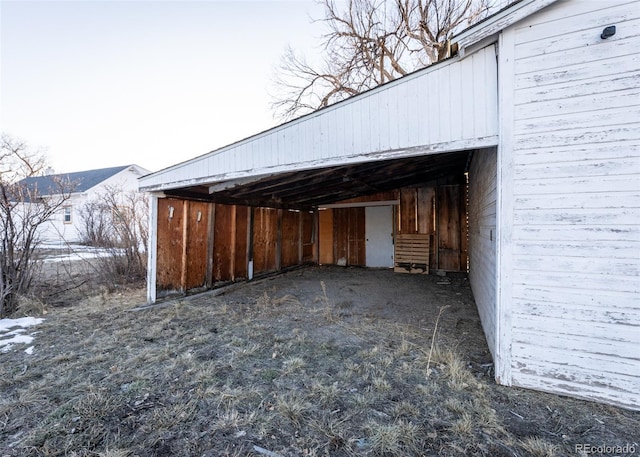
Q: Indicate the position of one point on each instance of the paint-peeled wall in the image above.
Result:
(572, 198)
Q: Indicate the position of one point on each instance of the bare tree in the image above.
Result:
(23, 210)
(368, 43)
(116, 220)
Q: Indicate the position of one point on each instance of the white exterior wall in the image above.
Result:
(482, 240)
(448, 107)
(569, 249)
(56, 231)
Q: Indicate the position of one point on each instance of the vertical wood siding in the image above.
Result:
(265, 240)
(290, 238)
(170, 243)
(482, 240)
(196, 246)
(441, 108)
(349, 236)
(575, 317)
(439, 211)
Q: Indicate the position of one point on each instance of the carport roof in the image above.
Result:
(306, 189)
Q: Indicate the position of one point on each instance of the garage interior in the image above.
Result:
(409, 214)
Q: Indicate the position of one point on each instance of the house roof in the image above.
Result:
(79, 181)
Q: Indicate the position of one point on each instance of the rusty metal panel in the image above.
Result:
(265, 239)
(170, 245)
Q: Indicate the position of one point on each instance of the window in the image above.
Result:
(66, 215)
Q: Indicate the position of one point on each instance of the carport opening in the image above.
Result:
(410, 214)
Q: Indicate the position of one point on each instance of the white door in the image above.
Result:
(379, 235)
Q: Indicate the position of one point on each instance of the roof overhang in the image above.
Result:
(486, 31)
(316, 187)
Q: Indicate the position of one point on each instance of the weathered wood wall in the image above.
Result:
(440, 211)
(200, 244)
(265, 240)
(482, 240)
(170, 243)
(291, 238)
(571, 197)
(325, 235)
(195, 259)
(349, 236)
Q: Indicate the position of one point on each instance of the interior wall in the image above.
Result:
(200, 244)
(349, 247)
(265, 240)
(482, 240)
(438, 210)
(170, 244)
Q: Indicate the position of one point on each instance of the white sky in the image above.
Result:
(105, 83)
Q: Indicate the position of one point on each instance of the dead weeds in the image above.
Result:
(317, 362)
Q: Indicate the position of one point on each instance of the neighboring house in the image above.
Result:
(539, 110)
(82, 186)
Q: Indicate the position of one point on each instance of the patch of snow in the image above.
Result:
(29, 350)
(80, 255)
(12, 332)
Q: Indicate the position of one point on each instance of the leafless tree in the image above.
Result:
(23, 210)
(116, 220)
(368, 43)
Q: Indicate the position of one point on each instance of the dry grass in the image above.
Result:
(217, 376)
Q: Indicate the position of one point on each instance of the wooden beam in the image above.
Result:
(362, 204)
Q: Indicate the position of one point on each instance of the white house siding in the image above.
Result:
(450, 106)
(482, 239)
(58, 232)
(573, 255)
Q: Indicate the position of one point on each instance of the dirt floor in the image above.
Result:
(321, 361)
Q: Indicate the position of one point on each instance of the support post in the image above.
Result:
(152, 249)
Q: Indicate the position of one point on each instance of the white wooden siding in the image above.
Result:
(575, 241)
(448, 107)
(482, 240)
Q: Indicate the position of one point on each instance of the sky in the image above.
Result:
(97, 84)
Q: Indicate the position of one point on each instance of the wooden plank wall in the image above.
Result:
(197, 223)
(170, 244)
(265, 240)
(449, 222)
(224, 239)
(325, 234)
(291, 238)
(440, 211)
(308, 228)
(349, 236)
(201, 244)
